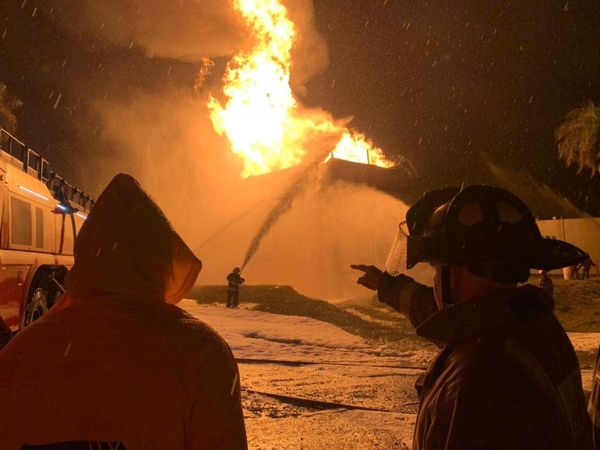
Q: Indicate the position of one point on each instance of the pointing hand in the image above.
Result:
(371, 276)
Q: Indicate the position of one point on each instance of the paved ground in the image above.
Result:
(307, 384)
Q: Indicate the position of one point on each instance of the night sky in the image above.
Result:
(451, 85)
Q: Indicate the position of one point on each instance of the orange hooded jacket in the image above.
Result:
(114, 361)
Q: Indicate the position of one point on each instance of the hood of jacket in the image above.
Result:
(128, 248)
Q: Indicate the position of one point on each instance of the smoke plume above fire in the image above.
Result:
(186, 30)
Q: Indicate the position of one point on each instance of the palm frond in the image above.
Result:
(8, 105)
(578, 138)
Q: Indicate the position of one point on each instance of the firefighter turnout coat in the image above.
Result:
(115, 364)
(506, 378)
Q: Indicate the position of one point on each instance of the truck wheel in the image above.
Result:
(37, 306)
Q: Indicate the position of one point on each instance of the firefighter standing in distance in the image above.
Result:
(234, 280)
(586, 265)
(507, 376)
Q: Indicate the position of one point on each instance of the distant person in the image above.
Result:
(235, 281)
(115, 364)
(507, 376)
(586, 265)
(575, 271)
(545, 283)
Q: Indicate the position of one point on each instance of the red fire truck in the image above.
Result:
(40, 215)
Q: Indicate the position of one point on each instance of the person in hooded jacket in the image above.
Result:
(115, 364)
(507, 377)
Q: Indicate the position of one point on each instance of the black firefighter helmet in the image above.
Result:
(486, 229)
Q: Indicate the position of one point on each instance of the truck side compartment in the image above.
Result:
(40, 216)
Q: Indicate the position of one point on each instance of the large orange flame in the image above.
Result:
(261, 117)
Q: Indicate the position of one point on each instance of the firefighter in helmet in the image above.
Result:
(234, 281)
(507, 376)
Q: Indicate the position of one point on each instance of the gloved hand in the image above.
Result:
(371, 276)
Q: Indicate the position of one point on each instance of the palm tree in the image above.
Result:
(578, 138)
(8, 105)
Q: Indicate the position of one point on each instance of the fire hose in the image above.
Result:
(322, 404)
(284, 362)
(229, 224)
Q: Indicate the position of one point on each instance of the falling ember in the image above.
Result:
(261, 118)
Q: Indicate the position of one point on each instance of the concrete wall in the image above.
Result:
(584, 233)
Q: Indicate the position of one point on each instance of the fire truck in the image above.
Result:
(40, 215)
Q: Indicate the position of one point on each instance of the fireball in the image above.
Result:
(265, 124)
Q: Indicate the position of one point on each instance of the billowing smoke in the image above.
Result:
(306, 177)
(312, 246)
(165, 138)
(298, 185)
(310, 52)
(195, 179)
(179, 29)
(187, 30)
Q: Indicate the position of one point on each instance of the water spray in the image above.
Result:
(229, 224)
(298, 186)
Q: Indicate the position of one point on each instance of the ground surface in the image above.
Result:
(316, 375)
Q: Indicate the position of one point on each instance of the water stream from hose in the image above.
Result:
(299, 185)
